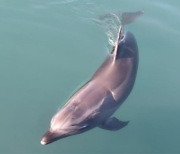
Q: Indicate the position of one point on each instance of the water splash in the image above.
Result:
(110, 23)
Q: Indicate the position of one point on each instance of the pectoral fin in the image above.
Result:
(113, 124)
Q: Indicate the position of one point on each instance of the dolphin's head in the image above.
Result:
(127, 46)
(65, 123)
(54, 135)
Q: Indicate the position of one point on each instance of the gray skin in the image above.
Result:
(95, 102)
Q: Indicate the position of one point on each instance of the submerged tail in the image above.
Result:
(129, 17)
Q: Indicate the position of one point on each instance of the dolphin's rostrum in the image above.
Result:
(95, 102)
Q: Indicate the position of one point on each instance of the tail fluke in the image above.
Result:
(129, 17)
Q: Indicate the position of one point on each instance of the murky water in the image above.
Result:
(48, 48)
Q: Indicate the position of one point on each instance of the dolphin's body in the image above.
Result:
(93, 104)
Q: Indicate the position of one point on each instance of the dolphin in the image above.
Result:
(94, 103)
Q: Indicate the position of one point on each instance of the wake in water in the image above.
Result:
(112, 21)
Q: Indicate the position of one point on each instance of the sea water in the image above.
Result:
(49, 48)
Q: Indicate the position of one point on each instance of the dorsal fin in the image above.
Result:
(119, 36)
(126, 18)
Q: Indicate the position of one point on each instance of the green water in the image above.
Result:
(48, 48)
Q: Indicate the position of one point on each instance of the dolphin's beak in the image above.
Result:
(43, 142)
(49, 137)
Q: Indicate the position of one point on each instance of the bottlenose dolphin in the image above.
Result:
(94, 103)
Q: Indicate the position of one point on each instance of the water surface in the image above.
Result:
(48, 48)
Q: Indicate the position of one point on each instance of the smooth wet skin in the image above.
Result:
(93, 104)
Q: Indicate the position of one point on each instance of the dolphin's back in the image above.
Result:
(84, 106)
(118, 72)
